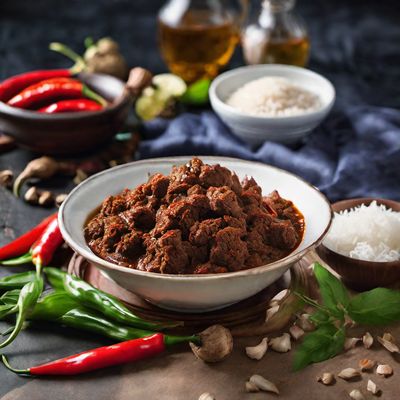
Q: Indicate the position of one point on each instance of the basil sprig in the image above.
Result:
(379, 306)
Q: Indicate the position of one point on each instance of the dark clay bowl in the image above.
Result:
(360, 274)
(73, 132)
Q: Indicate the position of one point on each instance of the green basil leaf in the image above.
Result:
(197, 92)
(334, 295)
(320, 318)
(324, 343)
(378, 306)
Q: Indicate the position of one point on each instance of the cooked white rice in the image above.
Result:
(369, 233)
(273, 96)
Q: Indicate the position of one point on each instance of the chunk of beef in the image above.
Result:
(95, 228)
(140, 217)
(229, 250)
(215, 175)
(130, 245)
(114, 229)
(283, 234)
(113, 205)
(209, 268)
(223, 201)
(203, 232)
(159, 185)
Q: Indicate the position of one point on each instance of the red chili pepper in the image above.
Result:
(107, 356)
(23, 243)
(43, 249)
(12, 86)
(51, 89)
(71, 105)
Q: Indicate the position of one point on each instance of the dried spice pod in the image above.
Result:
(387, 341)
(366, 365)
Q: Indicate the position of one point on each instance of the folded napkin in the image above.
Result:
(352, 154)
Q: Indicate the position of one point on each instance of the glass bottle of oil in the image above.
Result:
(197, 37)
(276, 36)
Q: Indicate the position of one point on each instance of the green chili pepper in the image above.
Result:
(6, 309)
(98, 300)
(27, 300)
(11, 297)
(16, 281)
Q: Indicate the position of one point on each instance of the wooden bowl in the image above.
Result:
(359, 274)
(73, 132)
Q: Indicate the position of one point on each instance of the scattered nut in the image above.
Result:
(60, 198)
(368, 340)
(387, 341)
(32, 195)
(356, 395)
(366, 365)
(304, 323)
(46, 198)
(350, 343)
(206, 396)
(371, 387)
(296, 332)
(263, 384)
(6, 178)
(326, 378)
(251, 387)
(258, 352)
(384, 369)
(281, 344)
(348, 374)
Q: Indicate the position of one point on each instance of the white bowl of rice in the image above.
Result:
(273, 102)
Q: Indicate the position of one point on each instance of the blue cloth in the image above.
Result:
(352, 154)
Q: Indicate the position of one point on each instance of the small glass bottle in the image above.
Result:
(198, 37)
(276, 36)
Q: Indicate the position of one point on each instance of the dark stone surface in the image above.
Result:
(355, 44)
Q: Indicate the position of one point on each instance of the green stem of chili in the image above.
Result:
(80, 63)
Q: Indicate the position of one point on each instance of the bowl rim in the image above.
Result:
(92, 257)
(34, 115)
(290, 118)
(350, 260)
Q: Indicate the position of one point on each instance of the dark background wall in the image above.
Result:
(356, 43)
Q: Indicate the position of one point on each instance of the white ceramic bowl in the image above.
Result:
(256, 130)
(188, 292)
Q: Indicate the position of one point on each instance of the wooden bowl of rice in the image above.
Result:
(360, 274)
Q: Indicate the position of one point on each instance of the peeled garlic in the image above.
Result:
(263, 384)
(281, 344)
(271, 311)
(388, 344)
(348, 373)
(304, 323)
(327, 378)
(251, 387)
(279, 297)
(365, 364)
(389, 337)
(371, 387)
(368, 340)
(206, 396)
(356, 395)
(258, 352)
(384, 369)
(296, 332)
(350, 343)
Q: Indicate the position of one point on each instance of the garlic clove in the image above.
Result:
(280, 296)
(366, 365)
(384, 369)
(264, 384)
(257, 352)
(206, 396)
(271, 311)
(251, 387)
(389, 337)
(368, 340)
(371, 387)
(388, 344)
(281, 344)
(356, 395)
(350, 343)
(296, 332)
(304, 323)
(326, 378)
(348, 374)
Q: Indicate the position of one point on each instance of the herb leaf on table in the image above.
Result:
(379, 306)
